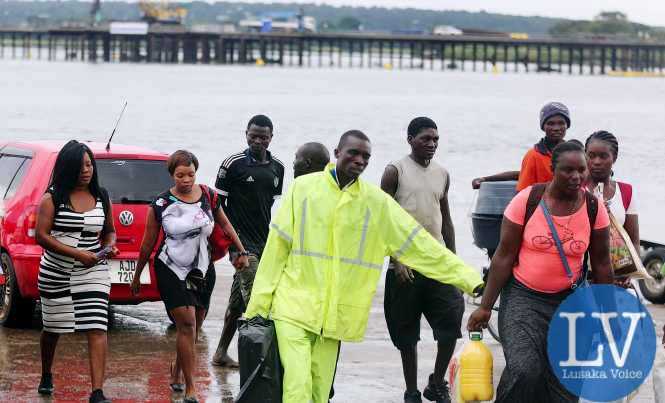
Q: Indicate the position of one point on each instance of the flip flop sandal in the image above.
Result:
(176, 387)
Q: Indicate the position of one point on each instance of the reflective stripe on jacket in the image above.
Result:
(326, 249)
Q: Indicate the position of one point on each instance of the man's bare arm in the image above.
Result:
(503, 176)
(389, 180)
(447, 228)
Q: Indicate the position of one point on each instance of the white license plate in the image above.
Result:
(122, 272)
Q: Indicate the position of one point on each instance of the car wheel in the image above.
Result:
(654, 290)
(15, 311)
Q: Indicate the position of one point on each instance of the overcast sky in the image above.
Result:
(646, 11)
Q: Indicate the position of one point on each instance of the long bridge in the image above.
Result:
(173, 44)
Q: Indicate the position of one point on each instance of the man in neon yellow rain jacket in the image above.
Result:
(323, 260)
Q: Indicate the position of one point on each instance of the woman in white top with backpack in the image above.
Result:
(602, 149)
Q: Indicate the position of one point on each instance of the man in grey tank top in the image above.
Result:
(420, 185)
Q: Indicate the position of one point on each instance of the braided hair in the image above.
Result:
(606, 137)
(565, 147)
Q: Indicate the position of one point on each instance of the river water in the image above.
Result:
(486, 121)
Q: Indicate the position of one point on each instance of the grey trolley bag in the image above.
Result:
(261, 370)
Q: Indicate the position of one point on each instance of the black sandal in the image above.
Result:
(45, 385)
(97, 396)
(176, 387)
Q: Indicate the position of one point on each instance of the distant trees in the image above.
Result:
(348, 23)
(329, 18)
(611, 23)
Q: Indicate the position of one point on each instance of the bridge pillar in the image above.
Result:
(106, 47)
(230, 48)
(452, 54)
(516, 58)
(280, 49)
(504, 57)
(205, 49)
(442, 55)
(92, 47)
(242, 51)
(485, 58)
(301, 51)
(136, 50)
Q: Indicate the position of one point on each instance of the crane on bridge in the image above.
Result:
(162, 12)
(95, 12)
(154, 11)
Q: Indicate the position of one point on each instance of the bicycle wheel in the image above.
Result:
(493, 325)
(493, 328)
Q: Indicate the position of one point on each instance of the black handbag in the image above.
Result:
(261, 371)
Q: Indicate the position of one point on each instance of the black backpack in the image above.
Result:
(536, 194)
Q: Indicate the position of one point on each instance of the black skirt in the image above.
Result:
(524, 318)
(174, 292)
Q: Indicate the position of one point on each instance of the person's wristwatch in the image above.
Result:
(245, 253)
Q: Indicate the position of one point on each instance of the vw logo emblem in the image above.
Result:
(126, 218)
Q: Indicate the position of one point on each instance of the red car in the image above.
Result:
(132, 176)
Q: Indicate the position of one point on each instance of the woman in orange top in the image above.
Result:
(537, 163)
(530, 275)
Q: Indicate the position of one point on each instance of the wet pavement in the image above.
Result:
(142, 345)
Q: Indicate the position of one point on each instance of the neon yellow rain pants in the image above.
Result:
(309, 362)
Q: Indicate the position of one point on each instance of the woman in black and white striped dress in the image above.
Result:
(75, 228)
